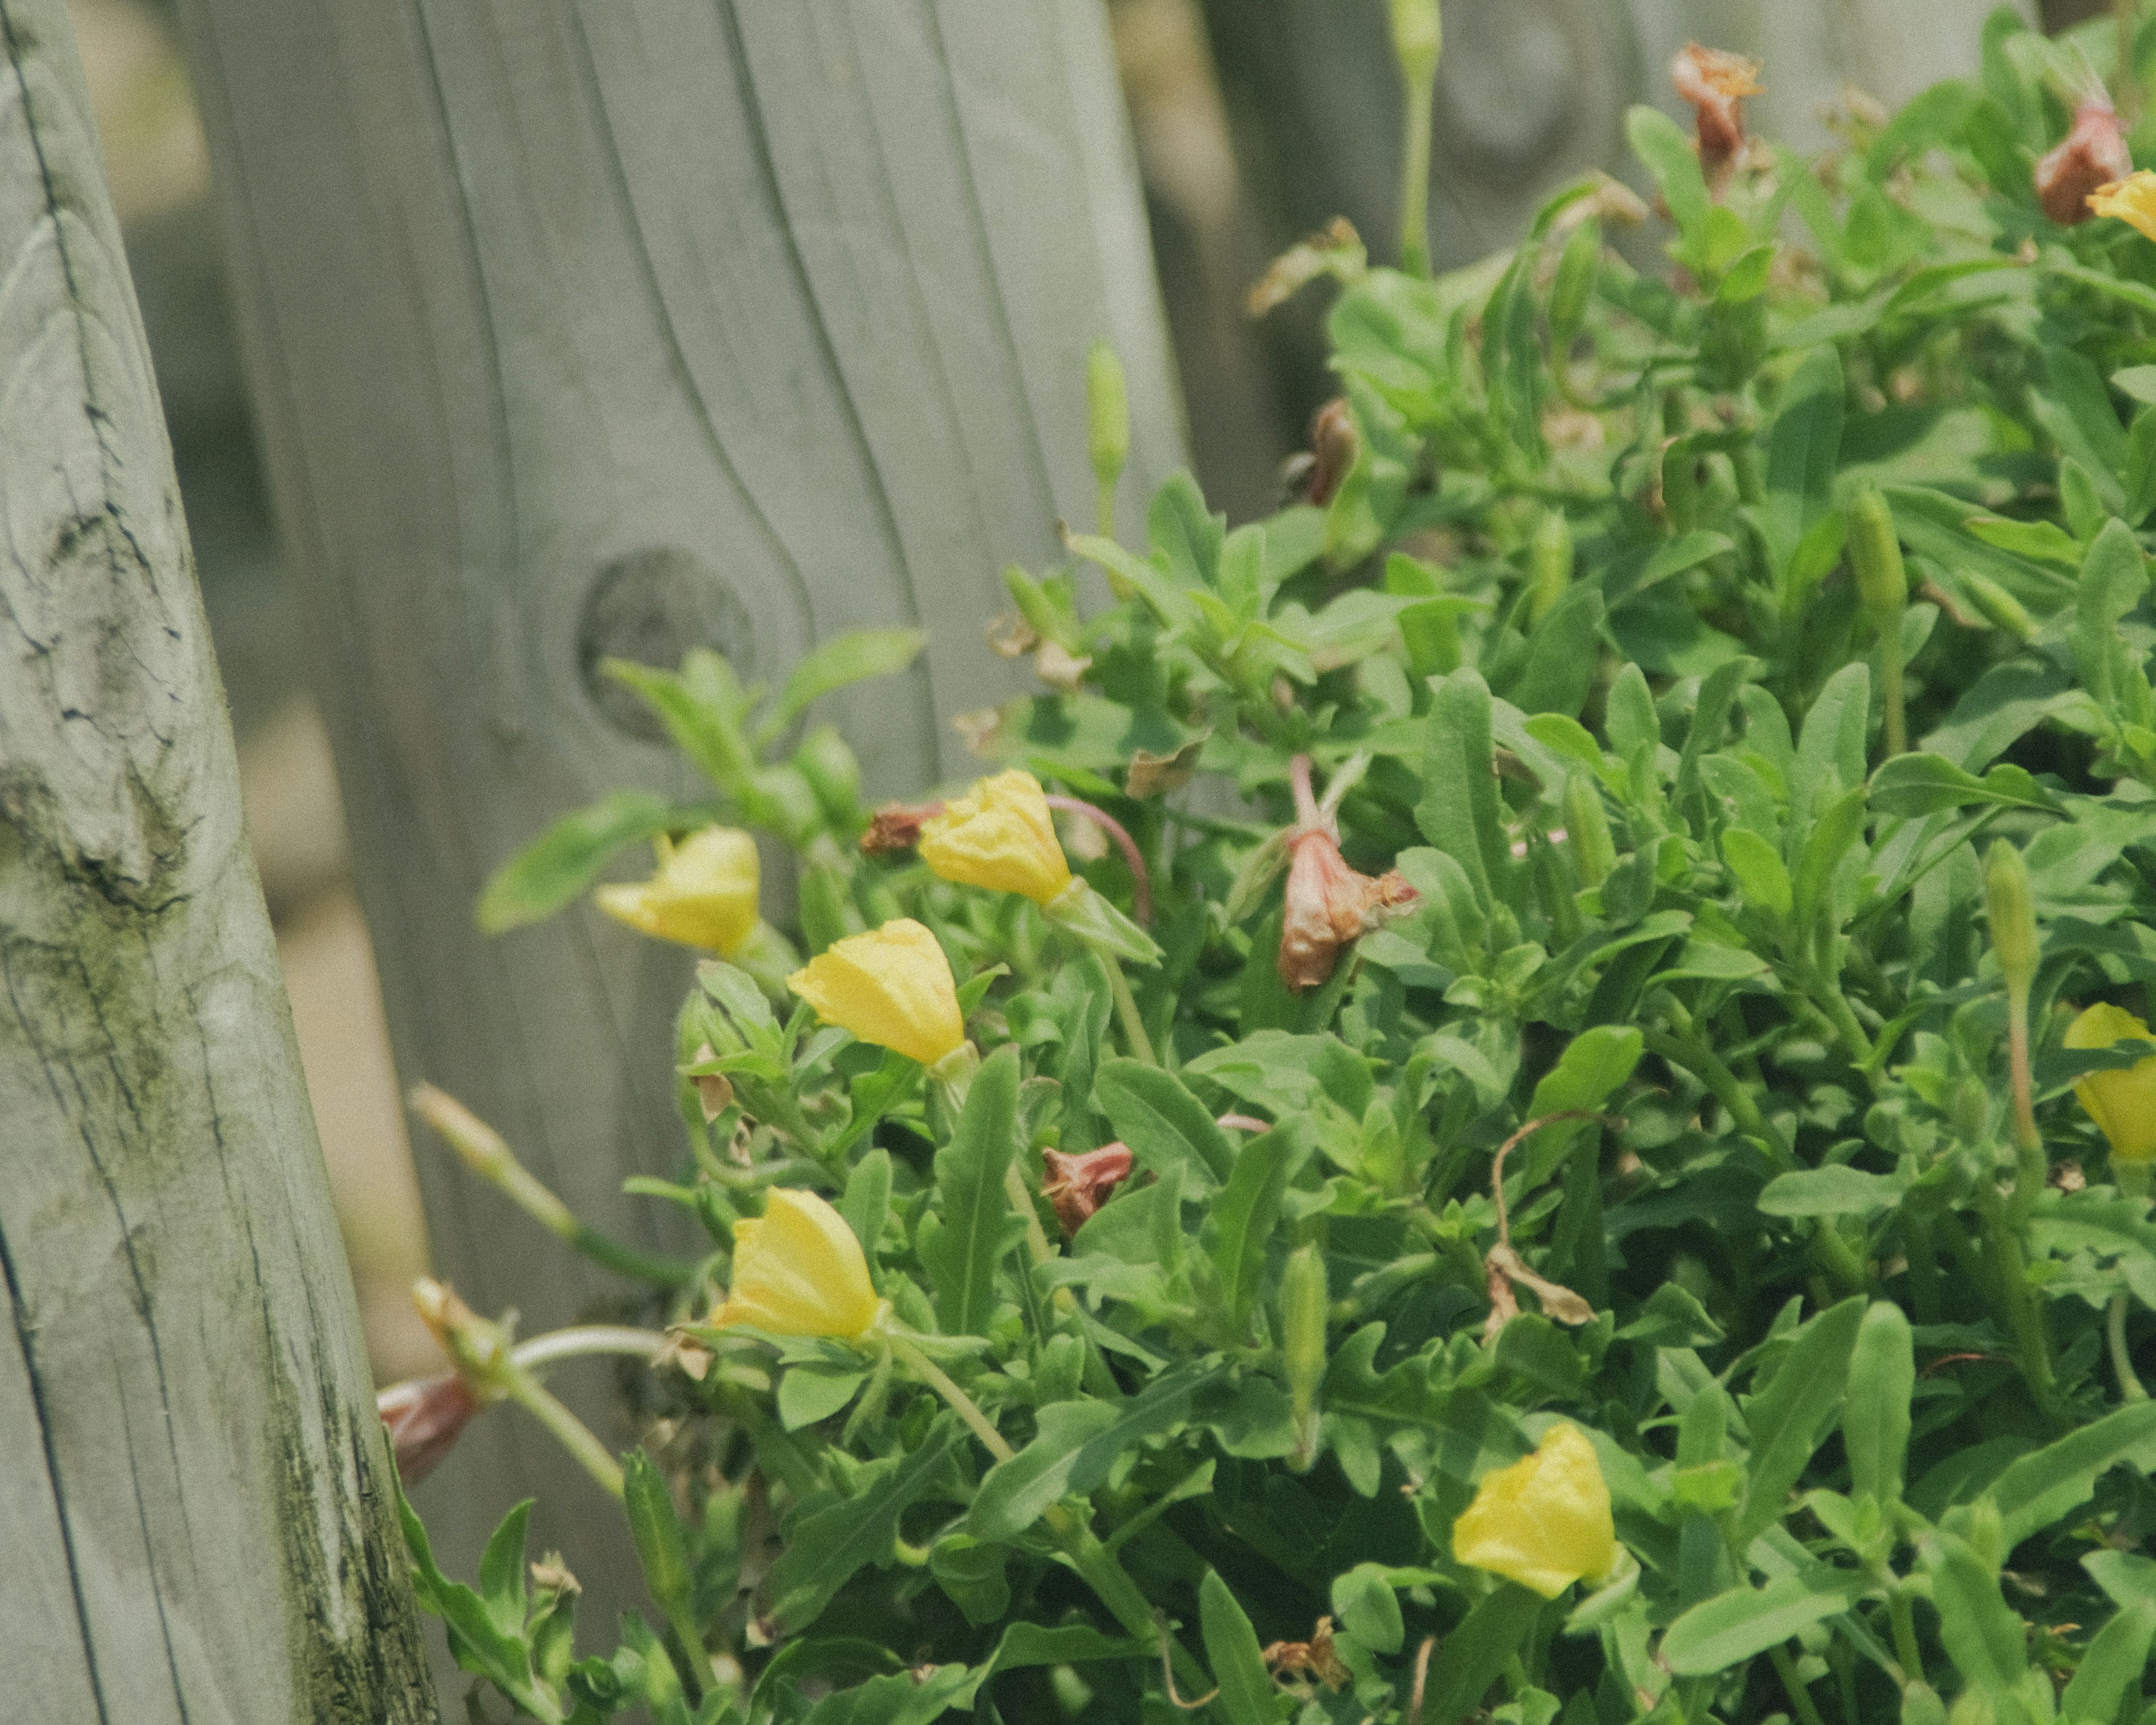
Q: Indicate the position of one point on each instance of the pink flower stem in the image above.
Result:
(1243, 1123)
(1306, 815)
(1141, 883)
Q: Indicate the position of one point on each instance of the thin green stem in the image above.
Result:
(2031, 1168)
(1902, 1613)
(529, 1393)
(1889, 690)
(580, 1340)
(961, 1403)
(1104, 508)
(1415, 176)
(1127, 1011)
(1800, 1697)
(2024, 1318)
(2122, 1358)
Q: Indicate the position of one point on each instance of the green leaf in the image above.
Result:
(1472, 1657)
(1077, 1445)
(704, 708)
(905, 1698)
(1736, 1625)
(1563, 655)
(2113, 580)
(1914, 785)
(1243, 1218)
(2116, 1660)
(1832, 741)
(1369, 1609)
(1875, 1418)
(1984, 1637)
(852, 657)
(1788, 1419)
(501, 1569)
(1835, 1190)
(1025, 1644)
(1803, 450)
(1166, 1127)
(555, 868)
(866, 1202)
(2042, 1487)
(971, 1571)
(1231, 1649)
(1186, 536)
(808, 1393)
(1458, 811)
(826, 1544)
(1839, 825)
(661, 1546)
(1761, 876)
(1659, 142)
(1594, 1067)
(977, 1223)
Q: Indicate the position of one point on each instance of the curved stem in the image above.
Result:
(1902, 1612)
(961, 1403)
(1127, 1011)
(1800, 1697)
(582, 1340)
(2121, 1357)
(528, 1392)
(1133, 858)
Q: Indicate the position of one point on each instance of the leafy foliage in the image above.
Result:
(1581, 636)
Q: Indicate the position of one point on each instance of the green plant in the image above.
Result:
(1653, 1052)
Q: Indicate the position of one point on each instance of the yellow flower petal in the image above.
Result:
(703, 895)
(2132, 200)
(1544, 1521)
(891, 987)
(1001, 836)
(2123, 1101)
(798, 1271)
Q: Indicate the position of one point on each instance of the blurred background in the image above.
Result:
(1256, 123)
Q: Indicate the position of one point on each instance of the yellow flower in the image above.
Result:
(704, 894)
(1543, 1522)
(2123, 1101)
(798, 1271)
(891, 987)
(2132, 200)
(1001, 837)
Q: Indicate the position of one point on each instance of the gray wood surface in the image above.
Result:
(196, 1522)
(625, 325)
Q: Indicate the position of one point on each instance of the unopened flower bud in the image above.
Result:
(2000, 609)
(1304, 1304)
(2012, 909)
(1549, 564)
(2093, 155)
(1079, 1184)
(834, 771)
(1107, 414)
(425, 1416)
(1417, 36)
(1874, 554)
(1586, 829)
(1716, 83)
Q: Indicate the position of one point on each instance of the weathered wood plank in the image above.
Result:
(195, 1508)
(766, 321)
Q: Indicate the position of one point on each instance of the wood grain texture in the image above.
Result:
(195, 1517)
(778, 313)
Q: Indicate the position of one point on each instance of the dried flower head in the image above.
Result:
(1716, 83)
(1079, 1184)
(425, 1417)
(2093, 155)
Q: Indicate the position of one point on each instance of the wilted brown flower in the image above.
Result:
(425, 1416)
(1716, 83)
(1328, 904)
(1333, 447)
(2092, 154)
(896, 826)
(1078, 1185)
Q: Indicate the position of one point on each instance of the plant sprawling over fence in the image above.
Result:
(1521, 1093)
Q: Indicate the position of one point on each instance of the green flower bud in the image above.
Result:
(1576, 270)
(782, 799)
(1061, 1371)
(833, 774)
(1107, 414)
(1417, 34)
(1875, 553)
(1305, 1303)
(2012, 909)
(2000, 609)
(1970, 1108)
(1549, 564)
(1586, 829)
